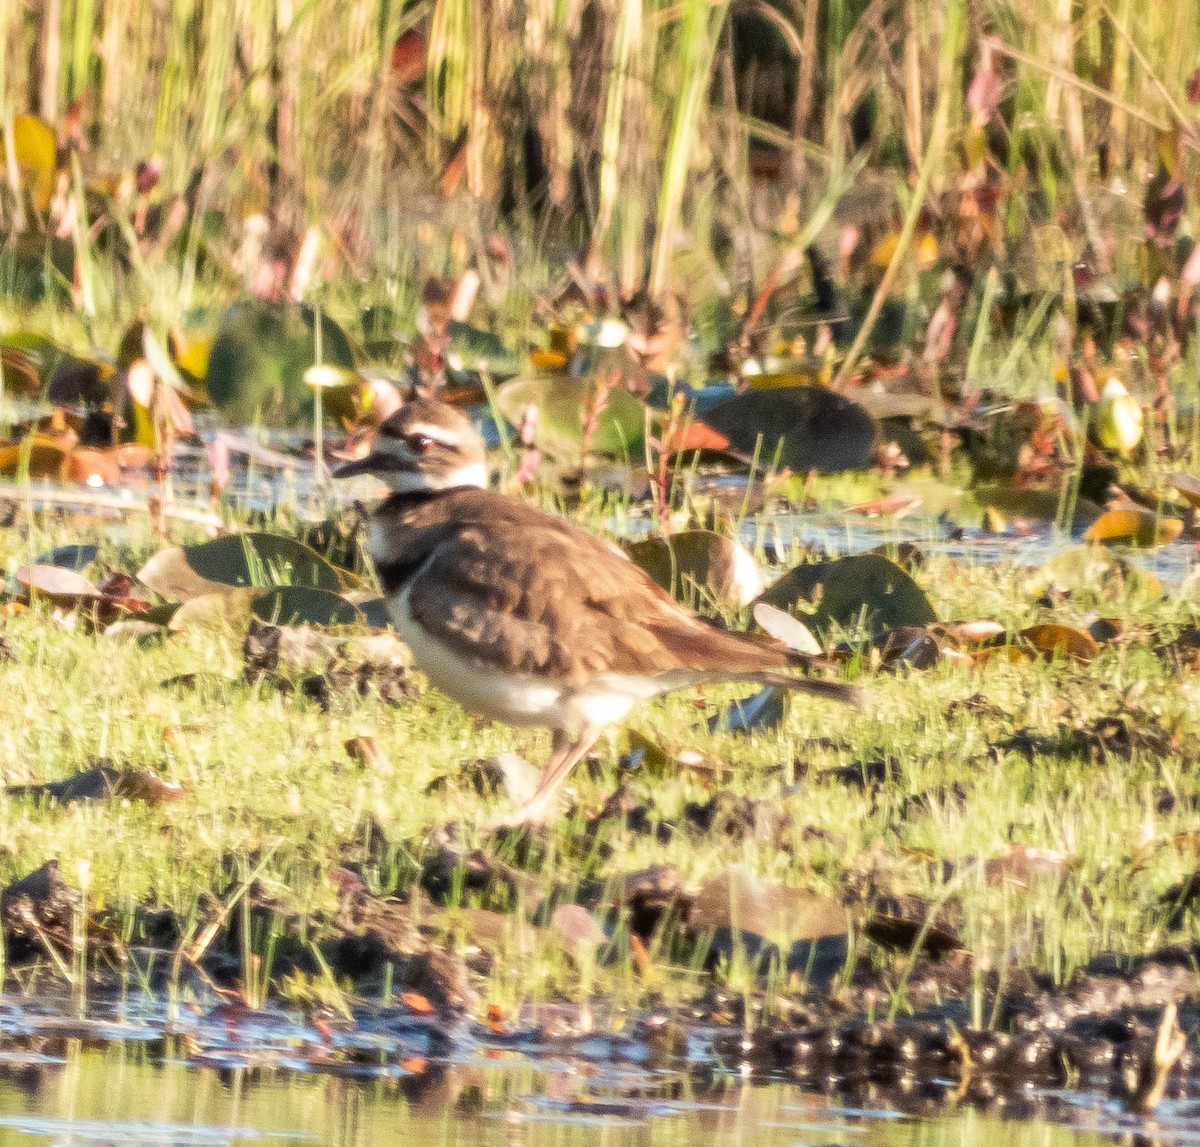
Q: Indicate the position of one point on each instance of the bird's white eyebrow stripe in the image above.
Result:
(442, 434)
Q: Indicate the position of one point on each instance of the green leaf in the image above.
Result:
(238, 560)
(299, 605)
(561, 402)
(849, 588)
(258, 359)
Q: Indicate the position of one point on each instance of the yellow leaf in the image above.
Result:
(1063, 640)
(37, 153)
(1133, 525)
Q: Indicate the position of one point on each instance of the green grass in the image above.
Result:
(268, 782)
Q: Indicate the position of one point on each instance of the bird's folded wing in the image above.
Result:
(566, 604)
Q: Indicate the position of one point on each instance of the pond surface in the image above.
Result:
(219, 1075)
(131, 1094)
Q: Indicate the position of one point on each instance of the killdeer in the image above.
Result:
(523, 618)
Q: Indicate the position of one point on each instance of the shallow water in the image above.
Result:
(143, 1094)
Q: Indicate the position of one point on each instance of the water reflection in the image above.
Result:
(147, 1093)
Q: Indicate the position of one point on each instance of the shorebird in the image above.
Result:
(521, 617)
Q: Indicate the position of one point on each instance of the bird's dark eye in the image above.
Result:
(419, 443)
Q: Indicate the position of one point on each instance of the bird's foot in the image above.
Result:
(533, 813)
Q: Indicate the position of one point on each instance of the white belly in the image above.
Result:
(517, 698)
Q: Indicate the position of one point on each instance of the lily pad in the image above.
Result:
(299, 605)
(717, 567)
(35, 150)
(238, 560)
(846, 589)
(258, 359)
(1133, 525)
(62, 586)
(1053, 640)
(473, 349)
(1038, 505)
(74, 557)
(811, 428)
(759, 713)
(561, 403)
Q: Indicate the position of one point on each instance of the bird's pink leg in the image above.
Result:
(566, 753)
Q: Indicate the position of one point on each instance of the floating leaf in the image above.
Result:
(810, 427)
(259, 357)
(102, 783)
(251, 559)
(848, 588)
(473, 349)
(1119, 419)
(1133, 525)
(972, 632)
(93, 467)
(223, 611)
(1008, 654)
(1053, 640)
(577, 930)
(1038, 505)
(560, 403)
(74, 557)
(300, 605)
(719, 567)
(905, 932)
(375, 612)
(47, 458)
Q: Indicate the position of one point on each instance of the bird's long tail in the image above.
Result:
(814, 686)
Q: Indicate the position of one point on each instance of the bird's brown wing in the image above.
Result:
(567, 605)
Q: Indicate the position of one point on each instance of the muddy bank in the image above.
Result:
(851, 1028)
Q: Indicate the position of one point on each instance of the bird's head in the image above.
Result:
(424, 446)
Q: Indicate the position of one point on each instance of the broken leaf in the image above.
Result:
(720, 568)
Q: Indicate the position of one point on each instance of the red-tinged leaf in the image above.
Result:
(1193, 88)
(416, 1002)
(409, 56)
(697, 436)
(1052, 640)
(898, 506)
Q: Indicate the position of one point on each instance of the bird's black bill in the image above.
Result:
(378, 464)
